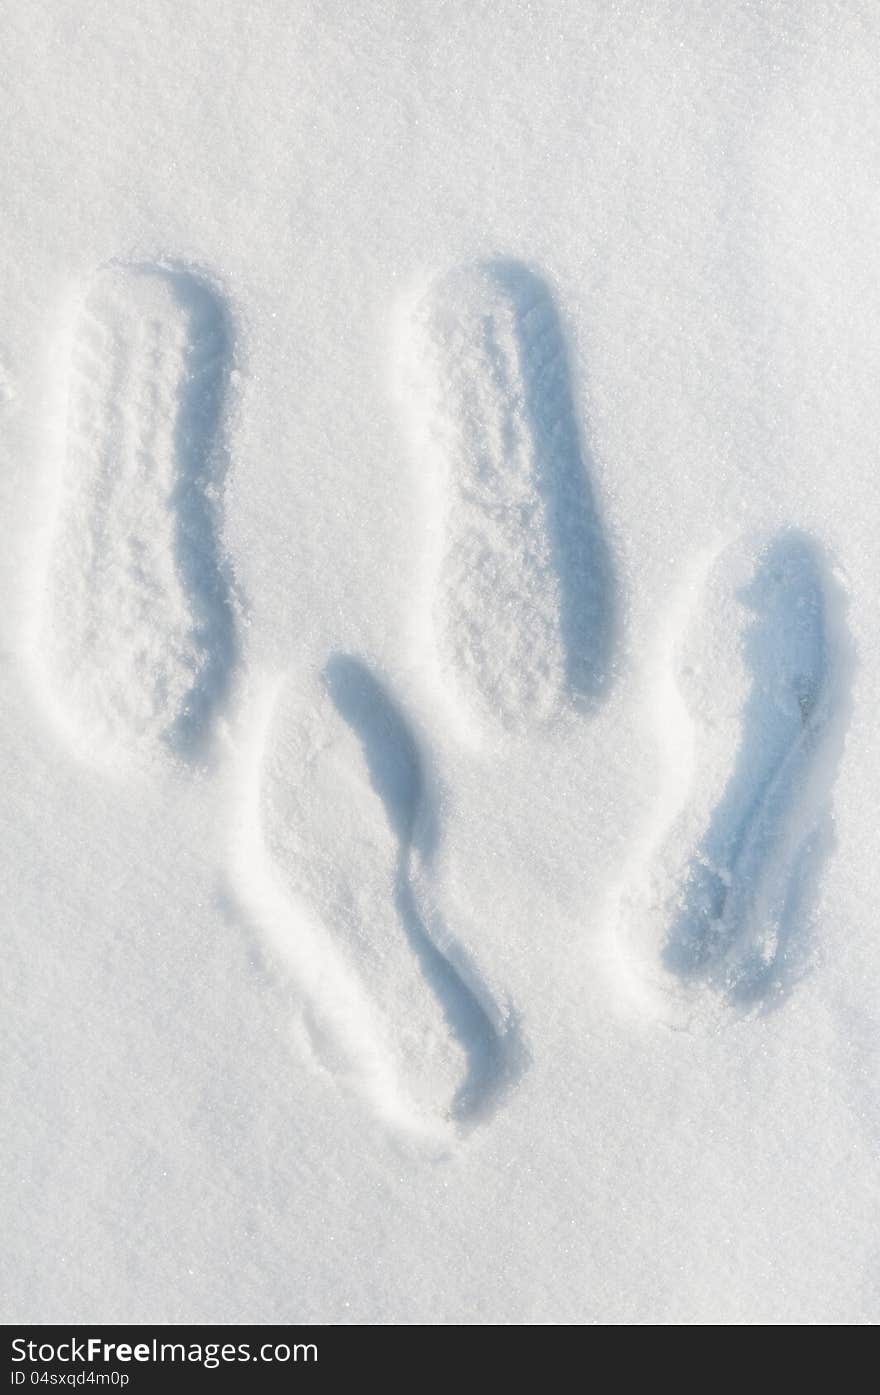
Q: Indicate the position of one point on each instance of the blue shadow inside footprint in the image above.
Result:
(196, 499)
(582, 556)
(395, 769)
(789, 716)
(388, 744)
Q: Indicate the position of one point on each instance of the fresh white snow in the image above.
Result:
(438, 661)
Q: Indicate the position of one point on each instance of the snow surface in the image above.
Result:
(439, 661)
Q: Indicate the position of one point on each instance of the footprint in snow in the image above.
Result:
(342, 823)
(719, 920)
(521, 599)
(137, 632)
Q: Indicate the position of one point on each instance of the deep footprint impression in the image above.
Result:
(732, 928)
(347, 830)
(521, 579)
(138, 632)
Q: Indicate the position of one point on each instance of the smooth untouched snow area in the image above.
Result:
(439, 662)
